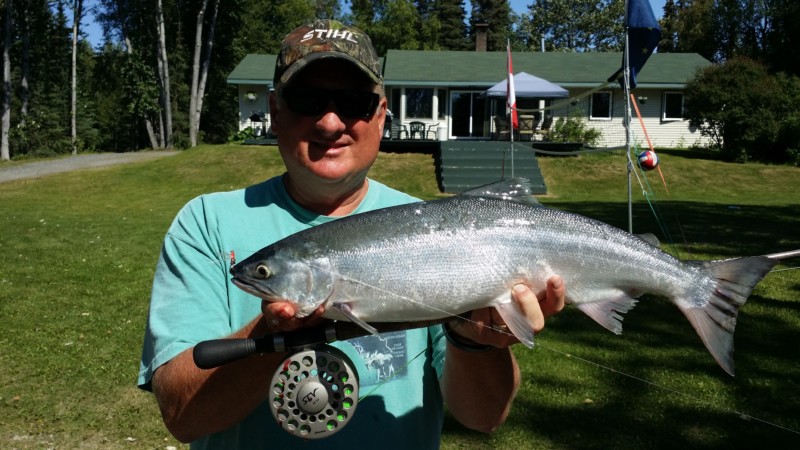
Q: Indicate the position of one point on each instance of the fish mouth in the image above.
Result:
(250, 289)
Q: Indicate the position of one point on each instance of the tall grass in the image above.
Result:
(78, 251)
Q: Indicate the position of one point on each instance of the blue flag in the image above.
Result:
(643, 36)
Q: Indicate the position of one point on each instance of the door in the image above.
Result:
(468, 111)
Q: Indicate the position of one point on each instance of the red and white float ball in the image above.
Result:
(648, 160)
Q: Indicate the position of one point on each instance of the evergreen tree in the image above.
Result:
(668, 22)
(497, 15)
(452, 16)
(783, 38)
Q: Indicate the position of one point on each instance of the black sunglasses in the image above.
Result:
(350, 104)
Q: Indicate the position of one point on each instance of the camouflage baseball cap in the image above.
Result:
(325, 39)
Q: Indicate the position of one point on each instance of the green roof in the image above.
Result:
(484, 69)
(253, 69)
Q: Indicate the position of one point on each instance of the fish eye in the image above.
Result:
(263, 271)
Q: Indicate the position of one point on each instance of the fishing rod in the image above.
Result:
(217, 352)
(789, 254)
(315, 389)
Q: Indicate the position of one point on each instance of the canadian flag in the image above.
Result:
(511, 98)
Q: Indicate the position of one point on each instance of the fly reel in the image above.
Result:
(314, 392)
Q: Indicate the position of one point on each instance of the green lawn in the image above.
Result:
(78, 252)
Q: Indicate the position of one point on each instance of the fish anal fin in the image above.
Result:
(607, 312)
(344, 308)
(515, 319)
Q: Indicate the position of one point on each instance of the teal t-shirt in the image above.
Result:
(193, 300)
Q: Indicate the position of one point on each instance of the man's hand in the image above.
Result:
(280, 317)
(485, 326)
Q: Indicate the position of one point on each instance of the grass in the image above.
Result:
(79, 250)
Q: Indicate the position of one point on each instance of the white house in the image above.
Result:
(446, 91)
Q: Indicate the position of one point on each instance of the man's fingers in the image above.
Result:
(555, 297)
(280, 317)
(529, 303)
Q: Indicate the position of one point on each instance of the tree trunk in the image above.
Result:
(199, 77)
(198, 46)
(201, 88)
(163, 75)
(5, 154)
(151, 135)
(76, 21)
(24, 93)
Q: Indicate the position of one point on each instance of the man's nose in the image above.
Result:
(330, 122)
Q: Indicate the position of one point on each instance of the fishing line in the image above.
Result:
(388, 379)
(584, 360)
(784, 270)
(694, 398)
(409, 299)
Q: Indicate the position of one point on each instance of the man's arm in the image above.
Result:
(195, 402)
(479, 387)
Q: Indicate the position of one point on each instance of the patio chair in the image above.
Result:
(501, 130)
(544, 130)
(526, 127)
(432, 128)
(416, 128)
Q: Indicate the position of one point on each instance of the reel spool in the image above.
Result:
(315, 392)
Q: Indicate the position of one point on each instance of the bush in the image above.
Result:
(749, 113)
(574, 128)
(242, 135)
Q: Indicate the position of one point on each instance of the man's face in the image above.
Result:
(328, 146)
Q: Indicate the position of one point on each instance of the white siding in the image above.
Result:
(669, 133)
(247, 107)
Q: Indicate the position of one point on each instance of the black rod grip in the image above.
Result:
(214, 353)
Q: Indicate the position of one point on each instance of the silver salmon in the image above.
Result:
(429, 260)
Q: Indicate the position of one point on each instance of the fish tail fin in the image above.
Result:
(515, 319)
(716, 320)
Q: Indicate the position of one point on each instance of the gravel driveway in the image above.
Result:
(36, 169)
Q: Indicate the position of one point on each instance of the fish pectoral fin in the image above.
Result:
(344, 308)
(607, 311)
(515, 319)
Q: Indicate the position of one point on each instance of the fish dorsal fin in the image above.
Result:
(514, 190)
(650, 238)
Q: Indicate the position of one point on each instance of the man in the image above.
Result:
(328, 112)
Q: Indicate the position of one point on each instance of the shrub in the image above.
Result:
(574, 128)
(749, 113)
(241, 135)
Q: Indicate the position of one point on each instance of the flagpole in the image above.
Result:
(626, 91)
(511, 103)
(511, 139)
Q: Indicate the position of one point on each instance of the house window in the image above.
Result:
(419, 103)
(394, 103)
(673, 106)
(601, 106)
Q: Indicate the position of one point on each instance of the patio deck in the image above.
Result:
(463, 165)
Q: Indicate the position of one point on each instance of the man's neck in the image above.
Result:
(329, 200)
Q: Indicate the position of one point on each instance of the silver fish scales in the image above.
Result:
(429, 260)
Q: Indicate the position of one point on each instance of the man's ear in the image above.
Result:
(273, 112)
(380, 113)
